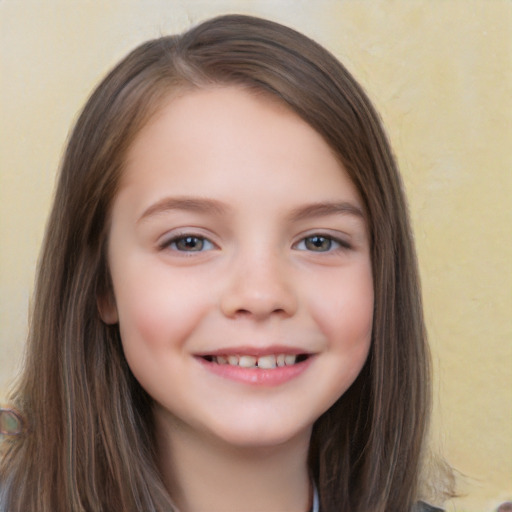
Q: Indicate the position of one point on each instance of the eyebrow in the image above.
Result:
(324, 209)
(191, 204)
(211, 206)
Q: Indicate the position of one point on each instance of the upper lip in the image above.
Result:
(253, 351)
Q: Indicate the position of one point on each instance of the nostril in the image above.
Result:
(242, 312)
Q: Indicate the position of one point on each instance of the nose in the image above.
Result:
(259, 288)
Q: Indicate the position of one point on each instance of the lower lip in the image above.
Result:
(257, 376)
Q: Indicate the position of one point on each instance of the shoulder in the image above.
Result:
(421, 506)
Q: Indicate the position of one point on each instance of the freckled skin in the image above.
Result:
(254, 278)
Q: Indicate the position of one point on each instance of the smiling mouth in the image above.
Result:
(266, 362)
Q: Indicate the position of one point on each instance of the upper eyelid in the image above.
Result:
(335, 235)
(180, 232)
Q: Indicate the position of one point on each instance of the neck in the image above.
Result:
(205, 474)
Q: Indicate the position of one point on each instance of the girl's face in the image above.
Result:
(241, 269)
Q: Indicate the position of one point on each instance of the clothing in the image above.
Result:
(421, 506)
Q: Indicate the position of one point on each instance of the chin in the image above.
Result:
(256, 437)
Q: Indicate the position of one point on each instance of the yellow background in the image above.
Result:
(440, 73)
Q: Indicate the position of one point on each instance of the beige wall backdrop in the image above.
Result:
(440, 73)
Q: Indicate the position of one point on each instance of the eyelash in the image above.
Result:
(173, 243)
(339, 244)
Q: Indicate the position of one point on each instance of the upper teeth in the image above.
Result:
(265, 362)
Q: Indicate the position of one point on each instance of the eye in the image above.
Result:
(189, 243)
(320, 243)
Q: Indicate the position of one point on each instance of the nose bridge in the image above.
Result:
(260, 284)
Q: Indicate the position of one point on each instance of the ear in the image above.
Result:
(107, 308)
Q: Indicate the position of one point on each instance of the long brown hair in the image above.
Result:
(90, 442)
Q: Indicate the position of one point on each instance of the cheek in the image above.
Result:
(157, 311)
(344, 311)
(342, 308)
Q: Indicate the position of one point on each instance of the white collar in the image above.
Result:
(316, 500)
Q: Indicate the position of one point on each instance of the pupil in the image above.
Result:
(319, 243)
(190, 243)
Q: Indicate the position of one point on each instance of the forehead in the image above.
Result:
(203, 136)
(200, 112)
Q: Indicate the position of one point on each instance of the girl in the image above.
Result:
(227, 314)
